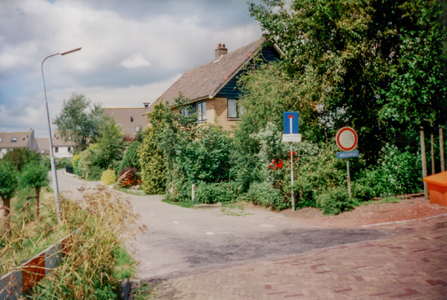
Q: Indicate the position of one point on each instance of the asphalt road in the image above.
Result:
(183, 241)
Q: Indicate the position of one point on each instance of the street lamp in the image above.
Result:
(53, 162)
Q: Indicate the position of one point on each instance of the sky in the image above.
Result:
(132, 51)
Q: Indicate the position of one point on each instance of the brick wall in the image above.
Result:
(220, 113)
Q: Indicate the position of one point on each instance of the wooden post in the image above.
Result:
(441, 147)
(432, 151)
(424, 162)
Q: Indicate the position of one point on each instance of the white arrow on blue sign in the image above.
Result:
(291, 122)
(348, 154)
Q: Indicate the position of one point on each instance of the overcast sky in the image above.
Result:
(132, 51)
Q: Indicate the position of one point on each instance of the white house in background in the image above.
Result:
(11, 140)
(61, 148)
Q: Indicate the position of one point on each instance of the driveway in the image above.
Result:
(184, 241)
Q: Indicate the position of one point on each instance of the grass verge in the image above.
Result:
(182, 204)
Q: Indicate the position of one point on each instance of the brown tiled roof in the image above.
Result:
(57, 141)
(206, 81)
(43, 145)
(129, 118)
(23, 139)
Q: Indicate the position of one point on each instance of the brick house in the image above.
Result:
(11, 140)
(130, 119)
(212, 87)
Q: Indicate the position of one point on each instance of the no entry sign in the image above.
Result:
(347, 139)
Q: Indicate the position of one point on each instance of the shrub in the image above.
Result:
(34, 176)
(263, 194)
(95, 173)
(130, 158)
(213, 192)
(336, 201)
(128, 178)
(61, 163)
(75, 162)
(108, 177)
(20, 157)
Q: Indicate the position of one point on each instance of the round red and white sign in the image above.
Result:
(347, 139)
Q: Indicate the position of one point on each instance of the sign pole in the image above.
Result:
(348, 178)
(291, 174)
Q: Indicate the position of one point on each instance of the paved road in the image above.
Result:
(183, 241)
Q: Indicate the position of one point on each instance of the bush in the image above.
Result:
(336, 201)
(213, 192)
(261, 193)
(61, 163)
(108, 177)
(130, 158)
(128, 178)
(95, 173)
(75, 162)
(20, 157)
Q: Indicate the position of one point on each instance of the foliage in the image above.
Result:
(397, 172)
(130, 158)
(79, 122)
(214, 192)
(128, 178)
(34, 176)
(263, 194)
(75, 162)
(373, 65)
(153, 165)
(336, 201)
(110, 144)
(108, 177)
(19, 157)
(8, 187)
(207, 157)
(105, 223)
(61, 163)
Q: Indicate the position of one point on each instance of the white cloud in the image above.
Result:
(135, 61)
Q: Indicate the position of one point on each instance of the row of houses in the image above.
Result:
(211, 89)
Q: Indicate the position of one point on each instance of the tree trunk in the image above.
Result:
(37, 202)
(441, 148)
(432, 142)
(424, 162)
(7, 204)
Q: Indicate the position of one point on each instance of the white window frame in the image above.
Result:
(14, 140)
(239, 108)
(201, 111)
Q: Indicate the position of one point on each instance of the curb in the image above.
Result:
(208, 205)
(404, 221)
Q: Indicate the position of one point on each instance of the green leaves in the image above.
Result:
(8, 179)
(34, 176)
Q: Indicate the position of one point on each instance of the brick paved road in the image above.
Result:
(411, 265)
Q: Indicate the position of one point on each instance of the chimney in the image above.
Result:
(221, 50)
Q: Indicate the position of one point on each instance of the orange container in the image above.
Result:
(437, 188)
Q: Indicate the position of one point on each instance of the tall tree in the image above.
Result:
(8, 187)
(110, 144)
(79, 121)
(35, 176)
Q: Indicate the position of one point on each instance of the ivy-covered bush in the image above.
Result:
(336, 201)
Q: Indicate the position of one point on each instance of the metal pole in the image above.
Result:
(53, 163)
(424, 162)
(291, 174)
(348, 178)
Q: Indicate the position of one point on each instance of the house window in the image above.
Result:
(131, 119)
(13, 140)
(0, 139)
(235, 110)
(56, 149)
(137, 129)
(201, 111)
(69, 149)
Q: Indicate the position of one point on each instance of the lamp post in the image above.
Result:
(53, 163)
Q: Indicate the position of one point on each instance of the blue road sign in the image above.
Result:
(348, 154)
(291, 122)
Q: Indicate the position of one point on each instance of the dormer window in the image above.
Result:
(0, 139)
(131, 119)
(13, 140)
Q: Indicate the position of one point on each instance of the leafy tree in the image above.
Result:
(344, 56)
(110, 145)
(8, 186)
(35, 176)
(19, 157)
(79, 122)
